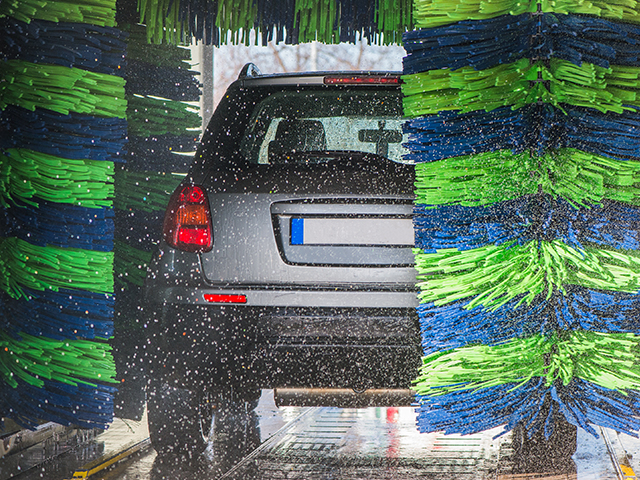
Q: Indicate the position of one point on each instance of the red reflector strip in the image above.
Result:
(218, 298)
(354, 80)
(194, 235)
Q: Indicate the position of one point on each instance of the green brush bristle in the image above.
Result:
(474, 180)
(144, 191)
(72, 362)
(479, 366)
(61, 89)
(154, 116)
(5, 181)
(393, 18)
(29, 175)
(161, 55)
(130, 264)
(316, 20)
(609, 360)
(42, 268)
(613, 89)
(467, 89)
(236, 17)
(624, 10)
(493, 275)
(587, 85)
(579, 177)
(94, 12)
(433, 13)
(163, 23)
(584, 178)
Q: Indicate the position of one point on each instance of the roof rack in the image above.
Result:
(249, 71)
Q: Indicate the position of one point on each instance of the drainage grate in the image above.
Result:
(370, 443)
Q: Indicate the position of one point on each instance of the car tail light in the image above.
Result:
(225, 298)
(187, 223)
(360, 80)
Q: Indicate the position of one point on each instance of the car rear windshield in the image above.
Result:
(294, 126)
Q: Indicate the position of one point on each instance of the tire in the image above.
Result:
(179, 421)
(237, 434)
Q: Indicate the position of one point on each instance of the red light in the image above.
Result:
(187, 223)
(362, 80)
(224, 298)
(192, 195)
(194, 236)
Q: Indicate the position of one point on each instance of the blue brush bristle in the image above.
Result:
(599, 311)
(593, 40)
(94, 138)
(62, 225)
(469, 43)
(607, 134)
(536, 128)
(473, 411)
(464, 228)
(449, 134)
(596, 405)
(534, 217)
(83, 405)
(450, 326)
(582, 403)
(90, 47)
(453, 325)
(483, 44)
(146, 79)
(66, 314)
(158, 153)
(200, 20)
(357, 17)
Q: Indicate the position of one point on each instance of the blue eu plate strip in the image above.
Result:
(297, 231)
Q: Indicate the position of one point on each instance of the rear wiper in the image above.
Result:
(323, 156)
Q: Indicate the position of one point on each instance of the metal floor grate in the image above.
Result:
(372, 443)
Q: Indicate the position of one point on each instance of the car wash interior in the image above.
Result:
(518, 131)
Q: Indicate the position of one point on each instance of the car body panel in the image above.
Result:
(336, 309)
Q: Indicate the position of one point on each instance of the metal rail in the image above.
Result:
(110, 459)
(619, 459)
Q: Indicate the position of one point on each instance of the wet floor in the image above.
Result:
(316, 443)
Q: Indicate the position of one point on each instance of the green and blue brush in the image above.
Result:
(62, 102)
(163, 126)
(526, 190)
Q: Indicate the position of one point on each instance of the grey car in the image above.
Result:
(287, 254)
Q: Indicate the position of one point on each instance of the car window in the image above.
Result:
(334, 120)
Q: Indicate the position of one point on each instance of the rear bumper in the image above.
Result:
(270, 347)
(288, 297)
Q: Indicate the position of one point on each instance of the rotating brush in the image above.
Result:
(521, 121)
(163, 127)
(62, 104)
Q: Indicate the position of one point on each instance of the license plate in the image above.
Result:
(352, 231)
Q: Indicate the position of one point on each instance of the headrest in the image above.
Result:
(297, 136)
